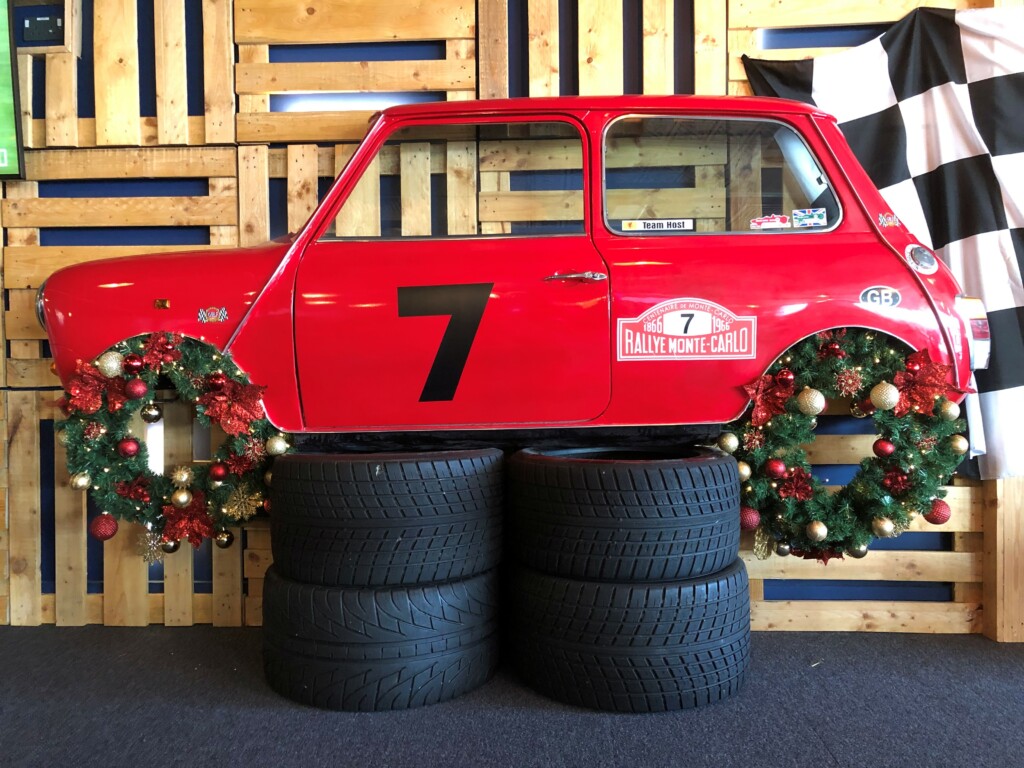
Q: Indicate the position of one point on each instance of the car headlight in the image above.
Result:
(39, 305)
(922, 259)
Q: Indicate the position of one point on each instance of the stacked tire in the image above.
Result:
(627, 593)
(383, 593)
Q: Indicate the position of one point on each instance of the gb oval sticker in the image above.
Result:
(880, 296)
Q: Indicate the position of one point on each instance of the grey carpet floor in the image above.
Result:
(98, 696)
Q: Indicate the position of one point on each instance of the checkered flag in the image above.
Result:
(934, 111)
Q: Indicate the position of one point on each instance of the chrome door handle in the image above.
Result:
(593, 277)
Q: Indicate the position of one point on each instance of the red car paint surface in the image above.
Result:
(322, 324)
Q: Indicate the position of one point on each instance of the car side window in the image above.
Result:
(468, 179)
(678, 175)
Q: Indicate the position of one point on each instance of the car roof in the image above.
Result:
(755, 105)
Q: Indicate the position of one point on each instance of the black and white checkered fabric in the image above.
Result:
(934, 110)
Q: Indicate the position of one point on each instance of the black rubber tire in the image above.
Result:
(355, 520)
(624, 514)
(632, 647)
(378, 649)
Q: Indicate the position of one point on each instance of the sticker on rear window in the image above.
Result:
(771, 221)
(687, 329)
(657, 225)
(810, 217)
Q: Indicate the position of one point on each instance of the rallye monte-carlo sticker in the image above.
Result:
(687, 329)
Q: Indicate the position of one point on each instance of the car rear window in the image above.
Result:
(469, 179)
(683, 175)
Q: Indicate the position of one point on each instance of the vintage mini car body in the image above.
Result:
(545, 263)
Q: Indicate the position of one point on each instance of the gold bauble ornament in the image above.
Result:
(782, 548)
(80, 481)
(913, 514)
(243, 503)
(277, 445)
(170, 547)
(182, 477)
(110, 364)
(949, 411)
(151, 413)
(816, 530)
(224, 539)
(885, 396)
(728, 442)
(883, 527)
(857, 551)
(762, 543)
(267, 477)
(181, 497)
(959, 444)
(810, 402)
(62, 437)
(744, 469)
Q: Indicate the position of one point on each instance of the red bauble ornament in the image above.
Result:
(750, 518)
(133, 363)
(785, 376)
(266, 505)
(940, 512)
(128, 447)
(103, 527)
(218, 471)
(775, 468)
(136, 388)
(883, 448)
(217, 380)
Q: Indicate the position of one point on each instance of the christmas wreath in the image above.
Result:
(918, 445)
(195, 501)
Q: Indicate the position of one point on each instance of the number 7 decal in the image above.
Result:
(465, 304)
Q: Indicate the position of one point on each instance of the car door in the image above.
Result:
(457, 286)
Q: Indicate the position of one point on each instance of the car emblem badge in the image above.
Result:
(213, 315)
(880, 296)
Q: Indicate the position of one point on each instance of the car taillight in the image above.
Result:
(980, 336)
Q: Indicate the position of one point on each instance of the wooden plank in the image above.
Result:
(20, 320)
(116, 72)
(125, 579)
(568, 205)
(27, 266)
(542, 23)
(280, 127)
(178, 577)
(794, 13)
(658, 44)
(710, 179)
(256, 562)
(257, 534)
(252, 54)
(416, 197)
(218, 62)
(565, 154)
(865, 616)
(69, 545)
(119, 212)
(253, 196)
(302, 184)
(1004, 566)
(227, 583)
(745, 163)
(710, 58)
(33, 374)
(147, 129)
(61, 100)
(461, 55)
(600, 47)
(225, 188)
(882, 565)
(157, 162)
(24, 509)
(356, 76)
(254, 604)
(492, 25)
(171, 72)
(839, 449)
(360, 213)
(461, 185)
(352, 21)
(25, 84)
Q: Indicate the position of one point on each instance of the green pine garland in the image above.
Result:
(100, 409)
(895, 488)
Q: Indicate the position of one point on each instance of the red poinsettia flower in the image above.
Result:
(769, 397)
(234, 407)
(193, 522)
(797, 485)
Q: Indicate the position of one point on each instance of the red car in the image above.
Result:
(545, 263)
